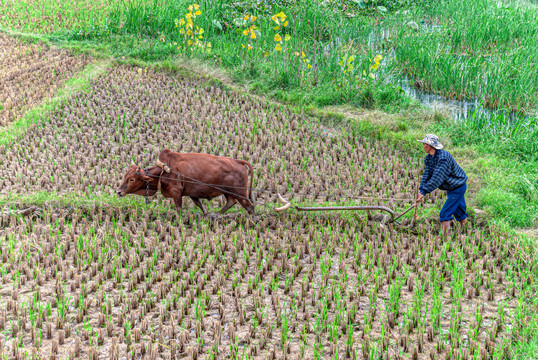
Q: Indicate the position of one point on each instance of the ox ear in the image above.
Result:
(144, 177)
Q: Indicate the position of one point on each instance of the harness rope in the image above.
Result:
(166, 168)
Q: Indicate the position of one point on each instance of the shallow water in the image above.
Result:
(459, 110)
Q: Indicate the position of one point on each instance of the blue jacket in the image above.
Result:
(441, 171)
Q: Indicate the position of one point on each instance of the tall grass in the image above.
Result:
(305, 70)
(504, 134)
(483, 49)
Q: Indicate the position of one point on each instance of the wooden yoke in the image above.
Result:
(163, 166)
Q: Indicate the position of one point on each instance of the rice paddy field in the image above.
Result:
(30, 73)
(88, 275)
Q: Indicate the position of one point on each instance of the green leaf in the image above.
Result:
(239, 22)
(359, 3)
(217, 24)
(382, 8)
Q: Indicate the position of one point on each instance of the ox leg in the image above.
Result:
(230, 201)
(247, 204)
(198, 203)
(178, 202)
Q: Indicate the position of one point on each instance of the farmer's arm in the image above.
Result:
(439, 174)
(428, 169)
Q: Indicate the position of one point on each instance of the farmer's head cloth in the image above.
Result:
(432, 140)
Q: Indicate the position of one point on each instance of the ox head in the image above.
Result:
(134, 182)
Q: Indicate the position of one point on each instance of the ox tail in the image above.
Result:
(251, 171)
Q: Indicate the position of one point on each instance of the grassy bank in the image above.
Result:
(321, 52)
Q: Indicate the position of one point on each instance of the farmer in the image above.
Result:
(441, 171)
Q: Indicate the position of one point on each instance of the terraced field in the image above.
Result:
(30, 73)
(104, 281)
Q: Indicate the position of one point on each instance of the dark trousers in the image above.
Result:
(455, 205)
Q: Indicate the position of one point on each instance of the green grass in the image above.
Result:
(483, 49)
(147, 31)
(458, 49)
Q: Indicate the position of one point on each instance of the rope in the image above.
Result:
(218, 187)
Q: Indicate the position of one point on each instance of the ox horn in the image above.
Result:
(286, 203)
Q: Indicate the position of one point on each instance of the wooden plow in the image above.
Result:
(388, 218)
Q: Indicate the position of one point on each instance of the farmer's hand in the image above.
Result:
(419, 199)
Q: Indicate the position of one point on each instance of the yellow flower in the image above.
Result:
(287, 37)
(208, 45)
(245, 32)
(188, 15)
(196, 6)
(198, 13)
(281, 15)
(296, 53)
(175, 43)
(249, 47)
(278, 47)
(378, 58)
(266, 53)
(374, 66)
(303, 55)
(245, 17)
(191, 7)
(182, 31)
(253, 18)
(190, 42)
(243, 46)
(201, 31)
(285, 23)
(278, 38)
(276, 28)
(200, 37)
(252, 34)
(189, 32)
(308, 66)
(181, 22)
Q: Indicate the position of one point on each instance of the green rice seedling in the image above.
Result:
(392, 304)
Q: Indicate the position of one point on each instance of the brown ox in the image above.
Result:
(188, 176)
